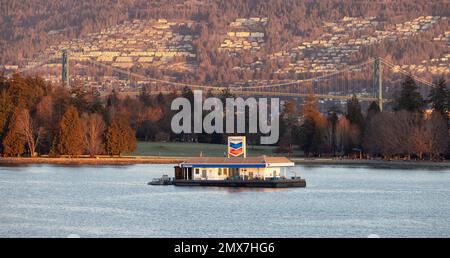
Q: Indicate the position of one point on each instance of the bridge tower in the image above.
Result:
(65, 68)
(377, 81)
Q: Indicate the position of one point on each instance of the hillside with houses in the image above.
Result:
(231, 43)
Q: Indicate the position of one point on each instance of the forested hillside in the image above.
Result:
(28, 28)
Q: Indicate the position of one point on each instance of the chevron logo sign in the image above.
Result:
(236, 146)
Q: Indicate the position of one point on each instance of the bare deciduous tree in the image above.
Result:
(347, 134)
(94, 128)
(390, 134)
(404, 133)
(437, 133)
(28, 128)
(420, 143)
(342, 133)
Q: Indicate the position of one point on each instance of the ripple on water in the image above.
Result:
(115, 201)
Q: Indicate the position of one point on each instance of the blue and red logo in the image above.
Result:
(236, 149)
(236, 146)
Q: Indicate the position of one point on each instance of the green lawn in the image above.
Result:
(181, 149)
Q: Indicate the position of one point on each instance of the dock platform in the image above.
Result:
(281, 183)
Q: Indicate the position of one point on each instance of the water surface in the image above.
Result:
(114, 201)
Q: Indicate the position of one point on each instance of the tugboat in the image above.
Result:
(164, 180)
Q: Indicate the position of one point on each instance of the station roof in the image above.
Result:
(237, 162)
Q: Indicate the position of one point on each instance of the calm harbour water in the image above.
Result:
(115, 201)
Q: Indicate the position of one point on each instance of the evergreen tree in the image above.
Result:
(373, 109)
(69, 140)
(307, 136)
(310, 108)
(333, 120)
(354, 114)
(145, 97)
(14, 142)
(440, 97)
(189, 94)
(95, 102)
(79, 98)
(25, 92)
(409, 99)
(311, 130)
(160, 99)
(120, 137)
(288, 122)
(356, 120)
(226, 93)
(5, 112)
(113, 99)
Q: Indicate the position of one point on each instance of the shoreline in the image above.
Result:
(132, 160)
(383, 164)
(126, 160)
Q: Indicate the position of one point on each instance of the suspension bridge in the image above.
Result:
(376, 79)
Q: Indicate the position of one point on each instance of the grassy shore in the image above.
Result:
(382, 164)
(182, 149)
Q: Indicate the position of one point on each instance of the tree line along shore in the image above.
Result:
(39, 118)
(413, 128)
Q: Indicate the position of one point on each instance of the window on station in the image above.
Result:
(197, 171)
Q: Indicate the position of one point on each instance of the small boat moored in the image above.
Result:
(164, 180)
